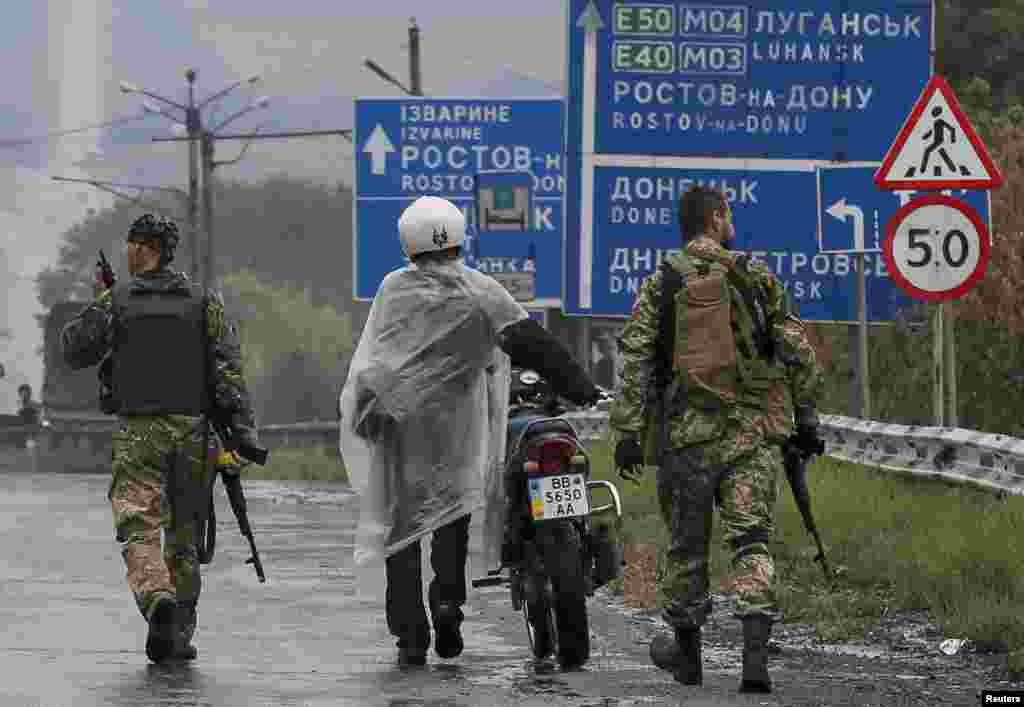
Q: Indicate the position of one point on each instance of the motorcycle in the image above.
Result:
(562, 558)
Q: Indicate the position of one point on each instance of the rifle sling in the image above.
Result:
(671, 283)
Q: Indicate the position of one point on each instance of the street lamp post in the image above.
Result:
(203, 139)
(192, 126)
(415, 87)
(195, 135)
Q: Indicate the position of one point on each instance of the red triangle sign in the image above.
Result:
(937, 148)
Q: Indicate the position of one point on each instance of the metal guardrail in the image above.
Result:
(963, 456)
(950, 453)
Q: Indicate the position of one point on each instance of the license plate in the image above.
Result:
(563, 496)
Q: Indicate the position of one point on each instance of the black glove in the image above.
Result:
(371, 426)
(245, 441)
(591, 398)
(629, 459)
(807, 440)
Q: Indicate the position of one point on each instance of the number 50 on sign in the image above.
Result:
(936, 248)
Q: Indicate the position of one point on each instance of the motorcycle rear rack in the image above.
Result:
(616, 503)
(494, 578)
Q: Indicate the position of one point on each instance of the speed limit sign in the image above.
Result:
(936, 248)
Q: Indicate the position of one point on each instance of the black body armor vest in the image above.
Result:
(160, 351)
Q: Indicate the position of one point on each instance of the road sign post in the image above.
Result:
(937, 248)
(852, 214)
(938, 149)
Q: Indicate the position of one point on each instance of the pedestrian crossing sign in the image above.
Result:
(937, 148)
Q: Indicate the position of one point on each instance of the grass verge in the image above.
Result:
(898, 541)
(300, 464)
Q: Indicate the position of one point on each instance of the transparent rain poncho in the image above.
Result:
(429, 386)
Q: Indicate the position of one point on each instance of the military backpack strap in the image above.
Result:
(671, 283)
(752, 300)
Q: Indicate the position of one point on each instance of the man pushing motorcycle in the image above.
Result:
(422, 419)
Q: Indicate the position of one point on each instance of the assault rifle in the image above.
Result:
(795, 460)
(233, 487)
(106, 273)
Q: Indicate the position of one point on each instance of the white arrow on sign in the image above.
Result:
(378, 146)
(591, 23)
(841, 210)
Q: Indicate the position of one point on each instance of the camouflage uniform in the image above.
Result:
(142, 449)
(727, 453)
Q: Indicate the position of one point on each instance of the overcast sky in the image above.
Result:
(64, 59)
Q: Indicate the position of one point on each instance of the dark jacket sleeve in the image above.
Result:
(87, 338)
(230, 393)
(530, 345)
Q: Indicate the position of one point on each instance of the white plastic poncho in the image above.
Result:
(429, 386)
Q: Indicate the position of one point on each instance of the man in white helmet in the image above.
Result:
(423, 416)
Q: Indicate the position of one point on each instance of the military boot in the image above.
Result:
(183, 648)
(680, 655)
(756, 632)
(163, 629)
(412, 649)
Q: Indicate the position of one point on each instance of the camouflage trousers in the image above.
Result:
(742, 479)
(152, 458)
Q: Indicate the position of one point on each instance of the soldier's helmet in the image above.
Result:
(156, 228)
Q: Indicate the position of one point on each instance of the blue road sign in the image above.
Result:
(751, 97)
(780, 79)
(853, 212)
(635, 226)
(410, 147)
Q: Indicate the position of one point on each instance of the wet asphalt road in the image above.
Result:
(314, 634)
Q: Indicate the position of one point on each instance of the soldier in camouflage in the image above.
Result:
(160, 374)
(728, 407)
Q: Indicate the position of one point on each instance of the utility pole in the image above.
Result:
(206, 158)
(193, 128)
(415, 76)
(202, 139)
(207, 146)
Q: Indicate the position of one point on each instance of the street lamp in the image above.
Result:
(132, 88)
(254, 79)
(375, 68)
(415, 78)
(261, 102)
(157, 110)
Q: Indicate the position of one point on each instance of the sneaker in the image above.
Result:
(447, 634)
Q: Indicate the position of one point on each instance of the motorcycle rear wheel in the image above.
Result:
(560, 548)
